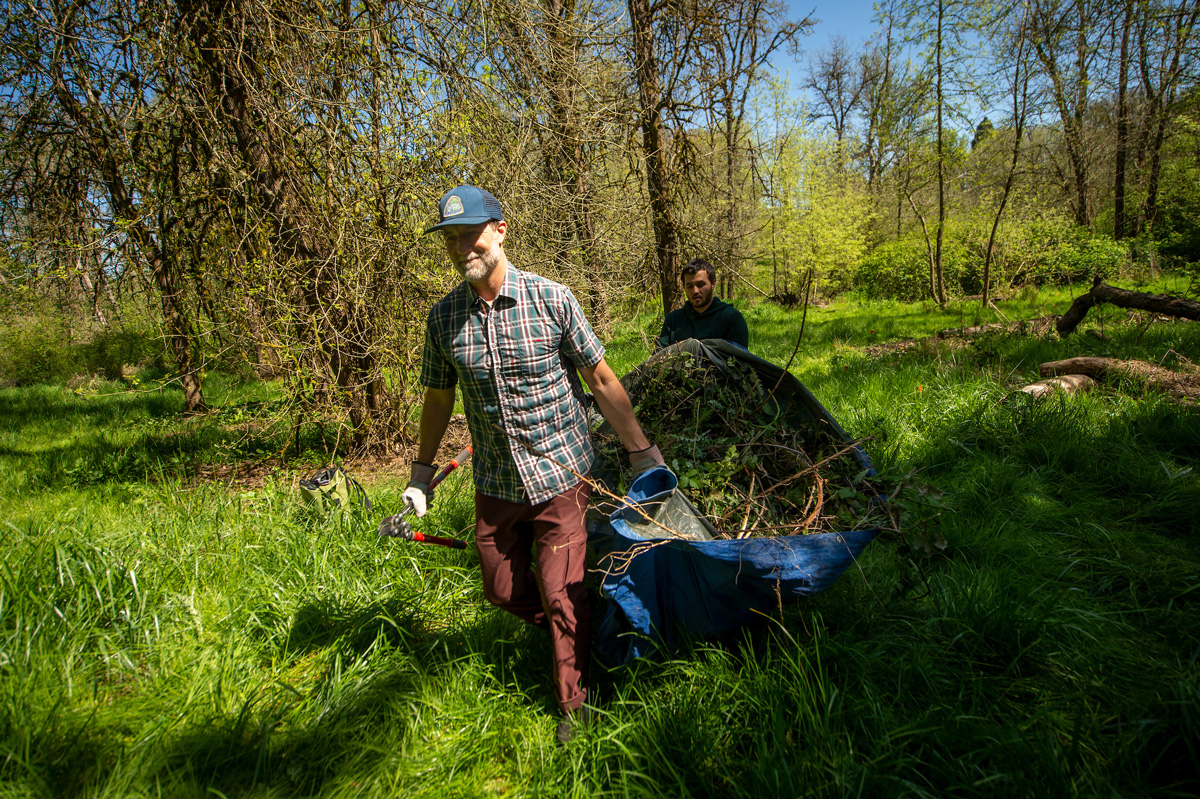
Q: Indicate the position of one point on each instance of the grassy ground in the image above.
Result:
(167, 636)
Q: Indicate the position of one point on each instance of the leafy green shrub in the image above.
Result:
(1177, 228)
(39, 348)
(1026, 252)
(899, 269)
(1054, 251)
(36, 350)
(112, 348)
(895, 269)
(1062, 254)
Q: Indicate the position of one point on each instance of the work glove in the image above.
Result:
(418, 494)
(645, 459)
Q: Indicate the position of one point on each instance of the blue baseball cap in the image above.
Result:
(466, 205)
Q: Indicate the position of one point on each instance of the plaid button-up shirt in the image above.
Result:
(515, 363)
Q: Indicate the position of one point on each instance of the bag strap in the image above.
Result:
(354, 484)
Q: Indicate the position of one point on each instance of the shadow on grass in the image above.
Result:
(37, 405)
(353, 629)
(259, 748)
(63, 440)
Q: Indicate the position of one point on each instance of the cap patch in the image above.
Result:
(454, 206)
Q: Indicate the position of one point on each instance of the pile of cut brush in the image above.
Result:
(749, 466)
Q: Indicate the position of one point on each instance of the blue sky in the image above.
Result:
(852, 19)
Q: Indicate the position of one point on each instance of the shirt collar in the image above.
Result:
(508, 288)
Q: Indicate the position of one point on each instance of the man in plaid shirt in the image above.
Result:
(513, 342)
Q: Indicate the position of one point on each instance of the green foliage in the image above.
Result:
(740, 453)
(113, 348)
(894, 270)
(36, 350)
(1065, 254)
(899, 269)
(1177, 229)
(821, 213)
(42, 346)
(1038, 252)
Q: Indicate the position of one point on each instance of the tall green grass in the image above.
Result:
(164, 635)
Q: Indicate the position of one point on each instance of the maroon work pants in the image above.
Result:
(511, 538)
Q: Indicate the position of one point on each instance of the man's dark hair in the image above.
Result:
(698, 265)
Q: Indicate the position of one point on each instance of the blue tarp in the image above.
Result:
(661, 592)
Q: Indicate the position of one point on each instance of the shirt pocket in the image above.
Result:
(531, 356)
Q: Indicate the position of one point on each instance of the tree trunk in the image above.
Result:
(939, 282)
(1079, 157)
(658, 184)
(1122, 126)
(93, 128)
(1020, 92)
(929, 250)
(245, 101)
(1182, 385)
(732, 134)
(1162, 99)
(1070, 93)
(1082, 365)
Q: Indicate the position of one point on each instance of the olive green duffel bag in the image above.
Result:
(331, 488)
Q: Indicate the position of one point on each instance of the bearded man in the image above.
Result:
(516, 344)
(703, 316)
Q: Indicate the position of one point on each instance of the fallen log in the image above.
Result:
(1123, 298)
(1037, 326)
(967, 332)
(1085, 365)
(1066, 384)
(1181, 385)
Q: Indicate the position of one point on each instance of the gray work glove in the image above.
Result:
(645, 459)
(418, 494)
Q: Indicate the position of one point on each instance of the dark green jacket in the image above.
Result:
(719, 320)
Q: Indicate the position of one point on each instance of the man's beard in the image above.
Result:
(479, 268)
